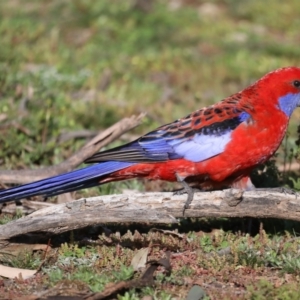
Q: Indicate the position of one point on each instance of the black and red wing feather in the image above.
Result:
(184, 138)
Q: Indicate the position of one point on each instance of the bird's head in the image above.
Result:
(281, 88)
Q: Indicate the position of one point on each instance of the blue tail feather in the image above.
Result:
(68, 182)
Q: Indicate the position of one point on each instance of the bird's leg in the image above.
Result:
(186, 189)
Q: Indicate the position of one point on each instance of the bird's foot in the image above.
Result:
(234, 196)
(185, 190)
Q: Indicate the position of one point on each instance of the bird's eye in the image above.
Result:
(296, 83)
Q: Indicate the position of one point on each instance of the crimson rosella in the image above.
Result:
(214, 147)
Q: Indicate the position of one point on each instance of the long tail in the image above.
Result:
(68, 182)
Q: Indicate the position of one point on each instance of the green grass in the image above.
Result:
(24, 260)
(83, 64)
(259, 265)
(57, 58)
(5, 218)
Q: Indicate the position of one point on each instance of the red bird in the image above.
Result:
(215, 147)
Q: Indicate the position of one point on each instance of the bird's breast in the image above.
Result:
(251, 143)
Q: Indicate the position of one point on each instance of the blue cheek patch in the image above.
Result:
(288, 103)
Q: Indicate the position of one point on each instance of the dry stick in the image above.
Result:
(85, 134)
(65, 136)
(101, 140)
(153, 208)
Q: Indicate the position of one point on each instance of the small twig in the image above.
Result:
(85, 134)
(72, 135)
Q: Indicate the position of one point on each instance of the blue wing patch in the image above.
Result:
(174, 141)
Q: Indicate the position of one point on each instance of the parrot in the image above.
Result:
(214, 148)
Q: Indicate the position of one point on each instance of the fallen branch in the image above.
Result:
(102, 139)
(153, 208)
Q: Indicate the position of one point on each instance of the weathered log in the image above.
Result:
(154, 208)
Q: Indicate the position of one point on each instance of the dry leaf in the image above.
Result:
(140, 259)
(12, 273)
